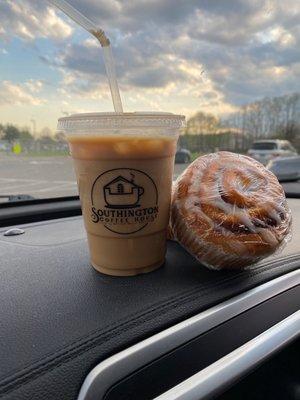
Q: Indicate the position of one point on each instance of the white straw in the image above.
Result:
(74, 14)
(111, 75)
(87, 24)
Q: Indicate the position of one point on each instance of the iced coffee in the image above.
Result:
(124, 170)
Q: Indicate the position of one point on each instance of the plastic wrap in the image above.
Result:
(229, 211)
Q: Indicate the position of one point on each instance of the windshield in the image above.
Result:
(264, 146)
(232, 68)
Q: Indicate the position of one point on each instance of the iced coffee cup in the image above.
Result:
(124, 167)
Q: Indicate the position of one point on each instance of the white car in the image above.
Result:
(286, 169)
(267, 150)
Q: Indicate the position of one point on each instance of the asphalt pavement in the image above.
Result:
(42, 177)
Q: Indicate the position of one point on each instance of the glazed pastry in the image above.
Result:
(229, 211)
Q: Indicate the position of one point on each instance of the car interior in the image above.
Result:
(69, 332)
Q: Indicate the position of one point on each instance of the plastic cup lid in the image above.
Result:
(93, 122)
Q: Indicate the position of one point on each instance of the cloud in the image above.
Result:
(207, 54)
(20, 94)
(31, 19)
(34, 86)
(133, 15)
(238, 44)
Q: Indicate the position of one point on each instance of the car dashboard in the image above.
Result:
(68, 332)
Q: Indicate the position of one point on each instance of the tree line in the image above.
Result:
(268, 118)
(276, 118)
(11, 133)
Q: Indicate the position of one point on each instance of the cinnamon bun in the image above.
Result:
(229, 211)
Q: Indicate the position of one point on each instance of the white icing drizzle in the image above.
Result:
(212, 254)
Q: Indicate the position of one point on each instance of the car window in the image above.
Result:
(231, 67)
(264, 146)
(285, 147)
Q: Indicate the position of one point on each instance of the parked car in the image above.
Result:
(286, 169)
(183, 156)
(266, 150)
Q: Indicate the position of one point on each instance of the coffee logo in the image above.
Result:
(122, 193)
(124, 200)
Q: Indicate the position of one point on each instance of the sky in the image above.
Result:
(179, 56)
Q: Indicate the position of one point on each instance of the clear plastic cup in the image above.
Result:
(124, 168)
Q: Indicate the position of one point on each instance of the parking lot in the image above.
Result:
(41, 177)
(37, 176)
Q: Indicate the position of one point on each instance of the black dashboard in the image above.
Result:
(68, 331)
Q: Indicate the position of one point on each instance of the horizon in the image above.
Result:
(212, 57)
